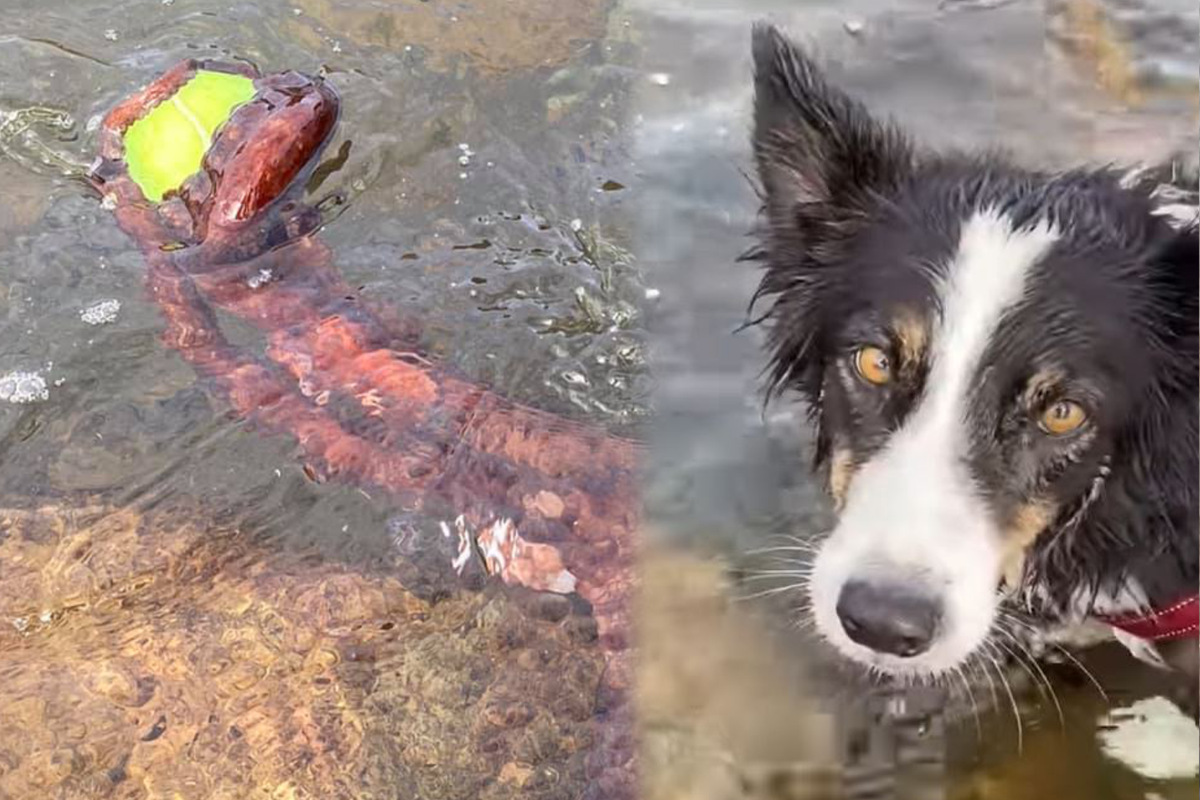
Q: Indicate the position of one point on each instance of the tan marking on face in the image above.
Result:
(1019, 535)
(841, 472)
(912, 334)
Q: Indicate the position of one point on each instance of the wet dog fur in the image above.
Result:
(1002, 368)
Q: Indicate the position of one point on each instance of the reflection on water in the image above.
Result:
(186, 611)
(1056, 82)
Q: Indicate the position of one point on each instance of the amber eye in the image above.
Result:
(1062, 418)
(873, 365)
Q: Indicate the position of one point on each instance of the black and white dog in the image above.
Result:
(1002, 365)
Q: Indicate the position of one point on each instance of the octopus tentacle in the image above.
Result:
(551, 504)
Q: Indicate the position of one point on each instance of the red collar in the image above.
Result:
(1180, 620)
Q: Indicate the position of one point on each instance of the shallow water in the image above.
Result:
(1054, 82)
(186, 613)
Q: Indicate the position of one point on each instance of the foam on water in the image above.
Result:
(23, 387)
(101, 313)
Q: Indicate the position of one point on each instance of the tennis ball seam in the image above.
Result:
(168, 144)
(205, 139)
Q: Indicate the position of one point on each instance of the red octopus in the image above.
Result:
(547, 503)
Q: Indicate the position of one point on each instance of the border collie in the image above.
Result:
(1002, 368)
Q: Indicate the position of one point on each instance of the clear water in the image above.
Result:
(183, 612)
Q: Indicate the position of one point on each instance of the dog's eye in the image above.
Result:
(873, 365)
(1063, 417)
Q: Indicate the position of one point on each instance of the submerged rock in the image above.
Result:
(161, 652)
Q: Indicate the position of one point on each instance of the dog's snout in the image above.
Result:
(889, 617)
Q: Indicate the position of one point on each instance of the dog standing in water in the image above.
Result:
(1002, 368)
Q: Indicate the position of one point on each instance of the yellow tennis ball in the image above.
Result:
(167, 146)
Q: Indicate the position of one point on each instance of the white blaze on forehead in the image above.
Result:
(922, 474)
(913, 512)
(986, 279)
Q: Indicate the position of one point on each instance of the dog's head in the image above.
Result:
(992, 356)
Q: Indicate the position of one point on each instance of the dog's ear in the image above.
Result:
(813, 144)
(819, 154)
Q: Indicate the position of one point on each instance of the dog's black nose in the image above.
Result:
(888, 617)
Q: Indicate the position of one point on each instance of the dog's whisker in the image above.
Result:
(800, 559)
(1012, 698)
(961, 674)
(1010, 617)
(1079, 665)
(805, 548)
(1043, 683)
(1034, 663)
(786, 540)
(767, 571)
(803, 562)
(769, 592)
(796, 582)
(991, 683)
(1064, 651)
(999, 628)
(776, 562)
(777, 573)
(804, 619)
(791, 537)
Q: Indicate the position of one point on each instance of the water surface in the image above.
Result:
(184, 612)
